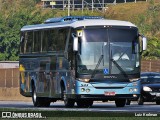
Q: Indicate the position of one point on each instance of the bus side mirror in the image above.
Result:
(144, 43)
(75, 44)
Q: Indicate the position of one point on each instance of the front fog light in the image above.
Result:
(134, 95)
(130, 90)
(88, 90)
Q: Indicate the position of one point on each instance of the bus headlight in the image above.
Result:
(84, 80)
(82, 89)
(133, 90)
(148, 89)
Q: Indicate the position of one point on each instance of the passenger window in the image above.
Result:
(61, 41)
(37, 41)
(29, 41)
(45, 41)
(22, 43)
(52, 40)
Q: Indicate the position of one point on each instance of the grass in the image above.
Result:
(126, 11)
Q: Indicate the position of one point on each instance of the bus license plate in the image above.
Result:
(109, 93)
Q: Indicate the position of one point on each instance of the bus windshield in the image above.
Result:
(108, 51)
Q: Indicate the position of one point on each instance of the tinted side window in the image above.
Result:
(22, 42)
(37, 41)
(28, 42)
(52, 38)
(45, 35)
(62, 36)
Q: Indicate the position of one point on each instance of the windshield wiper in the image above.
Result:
(99, 61)
(119, 67)
(123, 54)
(94, 71)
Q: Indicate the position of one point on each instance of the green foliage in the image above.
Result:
(14, 15)
(152, 26)
(153, 51)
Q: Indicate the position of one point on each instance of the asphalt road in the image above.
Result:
(97, 106)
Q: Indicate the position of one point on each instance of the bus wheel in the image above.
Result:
(69, 103)
(89, 103)
(85, 104)
(36, 100)
(120, 102)
(80, 104)
(128, 102)
(158, 102)
(46, 102)
(140, 100)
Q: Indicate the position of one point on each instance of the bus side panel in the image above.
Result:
(27, 74)
(52, 76)
(65, 75)
(42, 70)
(69, 85)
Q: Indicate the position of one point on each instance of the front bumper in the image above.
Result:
(111, 98)
(121, 90)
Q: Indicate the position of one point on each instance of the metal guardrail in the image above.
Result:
(9, 78)
(81, 4)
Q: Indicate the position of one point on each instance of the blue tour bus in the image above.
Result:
(80, 59)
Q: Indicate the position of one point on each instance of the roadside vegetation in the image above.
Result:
(16, 13)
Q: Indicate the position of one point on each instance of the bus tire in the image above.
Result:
(85, 104)
(80, 104)
(140, 100)
(120, 102)
(89, 103)
(46, 102)
(158, 102)
(37, 102)
(128, 102)
(68, 103)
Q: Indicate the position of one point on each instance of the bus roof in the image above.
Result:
(80, 23)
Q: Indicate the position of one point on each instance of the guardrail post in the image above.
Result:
(150, 65)
(5, 78)
(12, 77)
